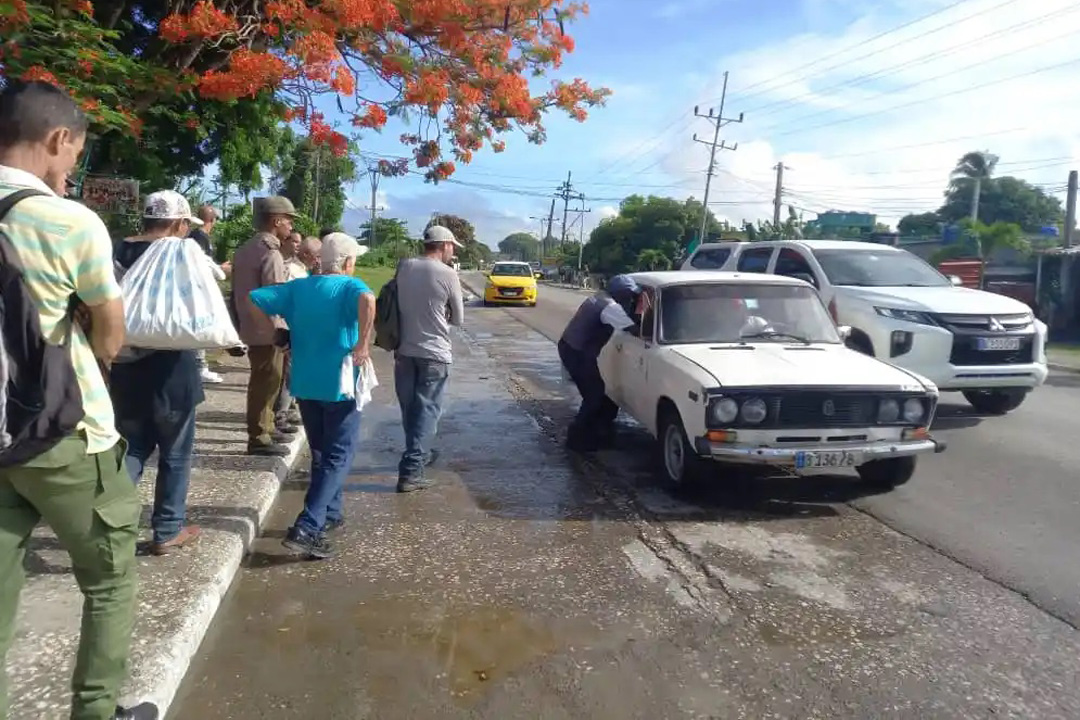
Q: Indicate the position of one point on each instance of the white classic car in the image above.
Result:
(750, 368)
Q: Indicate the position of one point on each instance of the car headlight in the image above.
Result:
(914, 410)
(723, 411)
(912, 316)
(888, 411)
(754, 411)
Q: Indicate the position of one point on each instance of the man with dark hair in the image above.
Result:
(259, 263)
(79, 487)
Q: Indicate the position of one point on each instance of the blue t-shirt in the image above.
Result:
(321, 312)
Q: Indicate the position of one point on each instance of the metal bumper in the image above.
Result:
(786, 456)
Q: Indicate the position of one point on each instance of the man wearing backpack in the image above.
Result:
(63, 464)
(429, 301)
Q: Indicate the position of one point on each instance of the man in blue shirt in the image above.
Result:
(330, 318)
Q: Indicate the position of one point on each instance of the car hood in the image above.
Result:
(950, 300)
(511, 281)
(795, 365)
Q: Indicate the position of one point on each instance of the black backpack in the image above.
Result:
(40, 400)
(387, 317)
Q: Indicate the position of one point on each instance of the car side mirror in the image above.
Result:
(956, 280)
(538, 276)
(845, 331)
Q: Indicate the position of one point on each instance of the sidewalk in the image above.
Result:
(1065, 358)
(230, 496)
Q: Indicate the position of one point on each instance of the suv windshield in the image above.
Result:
(511, 270)
(744, 312)
(878, 268)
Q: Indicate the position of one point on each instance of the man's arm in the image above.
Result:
(96, 287)
(457, 302)
(365, 313)
(616, 317)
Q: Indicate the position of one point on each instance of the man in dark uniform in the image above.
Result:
(579, 349)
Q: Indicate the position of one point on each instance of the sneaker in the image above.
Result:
(283, 424)
(407, 485)
(186, 535)
(334, 525)
(210, 377)
(270, 449)
(145, 711)
(309, 544)
(238, 351)
(282, 438)
(432, 458)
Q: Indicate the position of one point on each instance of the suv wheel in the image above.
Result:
(679, 462)
(887, 474)
(996, 402)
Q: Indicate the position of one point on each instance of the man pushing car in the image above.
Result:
(579, 349)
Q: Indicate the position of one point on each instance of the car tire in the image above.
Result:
(887, 474)
(996, 402)
(680, 466)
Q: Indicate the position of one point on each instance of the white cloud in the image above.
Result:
(607, 211)
(879, 126)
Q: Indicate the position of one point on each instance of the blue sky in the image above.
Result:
(869, 102)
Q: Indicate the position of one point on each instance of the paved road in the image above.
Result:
(1003, 500)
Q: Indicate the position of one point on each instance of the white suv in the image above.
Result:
(902, 310)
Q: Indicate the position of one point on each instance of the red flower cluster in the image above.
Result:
(204, 21)
(249, 73)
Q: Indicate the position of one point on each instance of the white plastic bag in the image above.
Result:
(366, 382)
(172, 301)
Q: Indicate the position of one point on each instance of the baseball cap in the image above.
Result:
(169, 205)
(440, 234)
(338, 245)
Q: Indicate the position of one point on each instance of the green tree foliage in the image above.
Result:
(653, 223)
(313, 177)
(520, 246)
(651, 259)
(1006, 200)
(983, 241)
(475, 252)
(388, 231)
(920, 225)
(238, 227)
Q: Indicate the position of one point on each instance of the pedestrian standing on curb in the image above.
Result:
(259, 263)
(429, 302)
(77, 485)
(201, 234)
(331, 316)
(285, 410)
(155, 392)
(595, 321)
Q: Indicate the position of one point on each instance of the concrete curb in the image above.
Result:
(157, 677)
(1064, 368)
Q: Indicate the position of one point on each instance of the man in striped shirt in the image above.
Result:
(79, 487)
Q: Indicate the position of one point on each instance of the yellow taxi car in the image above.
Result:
(511, 283)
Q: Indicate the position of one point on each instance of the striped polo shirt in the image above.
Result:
(65, 248)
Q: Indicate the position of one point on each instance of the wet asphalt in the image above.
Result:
(533, 583)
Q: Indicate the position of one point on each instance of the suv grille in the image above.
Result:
(968, 329)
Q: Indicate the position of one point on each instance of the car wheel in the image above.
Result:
(679, 462)
(996, 402)
(887, 474)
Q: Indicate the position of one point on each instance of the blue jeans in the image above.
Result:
(173, 435)
(420, 384)
(332, 429)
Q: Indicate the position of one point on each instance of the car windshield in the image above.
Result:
(744, 312)
(878, 268)
(511, 270)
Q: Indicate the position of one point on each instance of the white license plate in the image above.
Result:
(511, 293)
(997, 343)
(827, 459)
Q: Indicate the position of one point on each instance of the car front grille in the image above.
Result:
(967, 329)
(819, 409)
(511, 291)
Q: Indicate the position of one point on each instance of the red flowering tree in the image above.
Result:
(456, 70)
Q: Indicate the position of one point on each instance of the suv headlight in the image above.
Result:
(723, 411)
(888, 411)
(754, 411)
(914, 411)
(911, 316)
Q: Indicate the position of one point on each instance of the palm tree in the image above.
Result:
(976, 166)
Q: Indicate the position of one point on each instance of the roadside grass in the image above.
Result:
(375, 277)
(1071, 349)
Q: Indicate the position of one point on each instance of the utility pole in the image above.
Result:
(581, 234)
(543, 235)
(718, 122)
(778, 198)
(551, 220)
(566, 192)
(1070, 210)
(373, 173)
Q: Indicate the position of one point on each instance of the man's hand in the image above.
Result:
(226, 267)
(360, 355)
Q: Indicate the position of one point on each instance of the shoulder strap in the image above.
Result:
(18, 196)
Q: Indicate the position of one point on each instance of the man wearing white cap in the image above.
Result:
(330, 317)
(429, 302)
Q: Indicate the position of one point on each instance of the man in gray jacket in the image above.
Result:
(429, 302)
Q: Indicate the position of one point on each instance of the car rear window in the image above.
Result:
(710, 258)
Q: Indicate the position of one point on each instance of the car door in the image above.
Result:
(634, 354)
